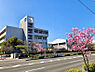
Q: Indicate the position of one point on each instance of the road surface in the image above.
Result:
(59, 64)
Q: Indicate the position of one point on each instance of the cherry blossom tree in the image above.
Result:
(40, 48)
(36, 46)
(79, 40)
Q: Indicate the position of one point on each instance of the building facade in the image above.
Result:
(27, 32)
(9, 31)
(59, 44)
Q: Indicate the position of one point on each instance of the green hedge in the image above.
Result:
(71, 54)
(91, 67)
(59, 51)
(36, 57)
(92, 51)
(0, 44)
(74, 70)
(7, 55)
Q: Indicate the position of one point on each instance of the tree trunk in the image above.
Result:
(86, 63)
(45, 54)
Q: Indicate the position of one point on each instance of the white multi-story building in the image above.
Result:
(60, 44)
(27, 32)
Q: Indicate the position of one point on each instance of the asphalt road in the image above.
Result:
(44, 65)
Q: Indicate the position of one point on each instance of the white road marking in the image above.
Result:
(1, 67)
(35, 69)
(4, 67)
(74, 57)
(74, 61)
(65, 58)
(69, 58)
(58, 59)
(42, 62)
(16, 65)
(93, 54)
(50, 60)
(30, 64)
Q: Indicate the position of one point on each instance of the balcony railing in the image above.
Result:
(41, 34)
(2, 40)
(3, 34)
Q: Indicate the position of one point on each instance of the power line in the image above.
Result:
(87, 7)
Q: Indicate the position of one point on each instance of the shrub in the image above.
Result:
(41, 57)
(1, 54)
(91, 67)
(62, 51)
(36, 57)
(74, 70)
(7, 55)
(79, 53)
(67, 54)
(63, 55)
(92, 51)
(73, 54)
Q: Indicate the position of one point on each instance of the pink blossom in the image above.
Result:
(79, 31)
(80, 39)
(74, 29)
(84, 28)
(40, 48)
(68, 37)
(66, 33)
(70, 34)
(91, 30)
(82, 34)
(69, 42)
(69, 49)
(77, 37)
(84, 49)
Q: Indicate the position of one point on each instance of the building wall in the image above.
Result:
(14, 31)
(26, 32)
(41, 40)
(27, 24)
(40, 36)
(59, 44)
(3, 35)
(23, 25)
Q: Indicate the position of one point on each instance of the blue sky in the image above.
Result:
(56, 16)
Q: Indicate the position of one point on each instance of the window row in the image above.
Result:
(40, 31)
(44, 38)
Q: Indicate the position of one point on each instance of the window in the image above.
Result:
(62, 43)
(40, 31)
(30, 25)
(29, 36)
(40, 42)
(36, 31)
(36, 37)
(30, 20)
(39, 37)
(25, 20)
(44, 38)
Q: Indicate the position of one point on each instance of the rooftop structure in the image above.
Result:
(58, 44)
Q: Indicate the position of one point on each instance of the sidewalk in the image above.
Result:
(10, 59)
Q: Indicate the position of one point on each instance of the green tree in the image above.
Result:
(9, 45)
(25, 48)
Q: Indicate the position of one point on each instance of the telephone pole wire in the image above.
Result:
(87, 7)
